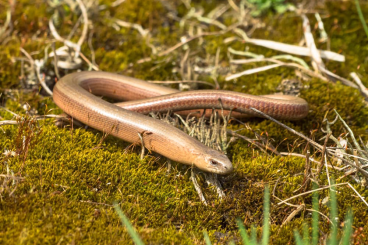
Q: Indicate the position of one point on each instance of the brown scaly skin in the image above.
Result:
(76, 95)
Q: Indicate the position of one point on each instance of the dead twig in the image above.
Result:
(40, 117)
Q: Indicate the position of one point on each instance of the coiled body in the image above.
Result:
(77, 95)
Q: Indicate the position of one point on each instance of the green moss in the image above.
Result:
(72, 177)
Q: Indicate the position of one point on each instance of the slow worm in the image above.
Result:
(77, 95)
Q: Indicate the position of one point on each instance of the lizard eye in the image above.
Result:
(214, 162)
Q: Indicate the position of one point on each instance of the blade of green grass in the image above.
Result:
(253, 235)
(333, 214)
(243, 232)
(133, 234)
(266, 214)
(361, 17)
(206, 238)
(306, 233)
(348, 228)
(298, 238)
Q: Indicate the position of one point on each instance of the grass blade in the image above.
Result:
(206, 238)
(298, 238)
(253, 235)
(348, 228)
(361, 17)
(243, 232)
(133, 234)
(333, 214)
(266, 217)
(306, 233)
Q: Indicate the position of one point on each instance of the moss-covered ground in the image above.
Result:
(65, 180)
